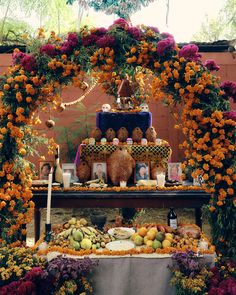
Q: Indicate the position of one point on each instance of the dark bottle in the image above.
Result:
(172, 218)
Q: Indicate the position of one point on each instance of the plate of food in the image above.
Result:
(121, 233)
(120, 245)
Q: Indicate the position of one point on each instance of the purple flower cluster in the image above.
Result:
(154, 29)
(17, 57)
(71, 42)
(89, 40)
(167, 35)
(211, 65)
(165, 45)
(106, 41)
(229, 88)
(230, 115)
(120, 22)
(136, 33)
(69, 268)
(190, 52)
(48, 49)
(221, 286)
(28, 62)
(187, 263)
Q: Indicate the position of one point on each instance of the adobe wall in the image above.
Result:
(76, 122)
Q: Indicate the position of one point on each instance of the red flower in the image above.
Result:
(211, 65)
(106, 41)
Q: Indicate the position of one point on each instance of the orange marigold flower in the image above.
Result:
(206, 167)
(220, 203)
(212, 209)
(230, 191)
(229, 171)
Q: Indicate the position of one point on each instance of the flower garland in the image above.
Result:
(180, 78)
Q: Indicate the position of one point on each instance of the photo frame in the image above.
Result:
(175, 171)
(44, 169)
(198, 181)
(99, 170)
(71, 168)
(142, 171)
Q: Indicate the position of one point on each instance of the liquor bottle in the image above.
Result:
(57, 168)
(172, 218)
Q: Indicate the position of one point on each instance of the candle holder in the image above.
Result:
(48, 232)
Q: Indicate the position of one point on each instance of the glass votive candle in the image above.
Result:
(66, 179)
(129, 141)
(161, 179)
(115, 141)
(103, 141)
(144, 141)
(123, 183)
(203, 245)
(92, 141)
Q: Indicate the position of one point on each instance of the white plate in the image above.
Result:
(120, 245)
(125, 232)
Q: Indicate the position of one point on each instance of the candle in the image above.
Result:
(161, 180)
(49, 198)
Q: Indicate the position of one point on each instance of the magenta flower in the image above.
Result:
(28, 62)
(167, 35)
(190, 52)
(230, 115)
(229, 88)
(71, 42)
(135, 32)
(106, 41)
(89, 40)
(72, 38)
(165, 45)
(100, 31)
(120, 22)
(211, 65)
(48, 49)
(17, 57)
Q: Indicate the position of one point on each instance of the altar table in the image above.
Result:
(123, 199)
(135, 275)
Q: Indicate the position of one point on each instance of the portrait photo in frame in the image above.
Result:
(142, 171)
(99, 170)
(70, 168)
(175, 171)
(44, 169)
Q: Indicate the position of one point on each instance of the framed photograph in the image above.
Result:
(99, 171)
(44, 169)
(141, 171)
(175, 171)
(198, 181)
(70, 168)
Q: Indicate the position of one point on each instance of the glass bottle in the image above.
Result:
(172, 218)
(57, 168)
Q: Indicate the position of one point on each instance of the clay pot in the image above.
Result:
(98, 219)
(120, 166)
(83, 171)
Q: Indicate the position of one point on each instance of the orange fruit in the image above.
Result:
(142, 231)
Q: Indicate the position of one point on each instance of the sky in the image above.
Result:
(185, 16)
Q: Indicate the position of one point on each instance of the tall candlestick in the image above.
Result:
(49, 198)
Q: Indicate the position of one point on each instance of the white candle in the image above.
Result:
(161, 180)
(49, 198)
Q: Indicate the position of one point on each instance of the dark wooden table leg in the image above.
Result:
(198, 217)
(37, 219)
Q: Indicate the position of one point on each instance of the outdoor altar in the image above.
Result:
(180, 77)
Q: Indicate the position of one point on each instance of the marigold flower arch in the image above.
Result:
(180, 78)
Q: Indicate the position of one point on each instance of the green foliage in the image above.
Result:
(13, 31)
(223, 26)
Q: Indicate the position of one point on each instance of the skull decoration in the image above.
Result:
(106, 108)
(144, 107)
